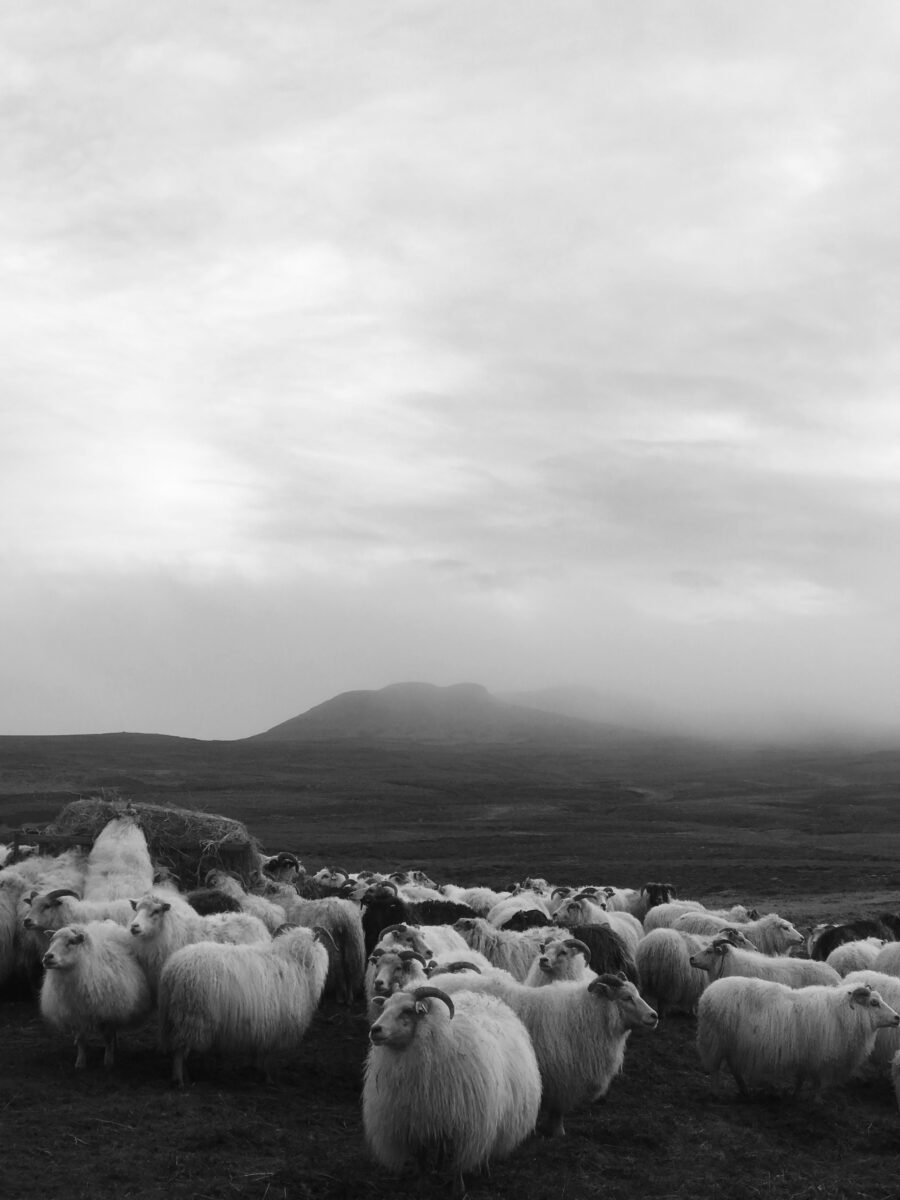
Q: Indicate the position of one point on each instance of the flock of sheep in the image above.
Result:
(490, 1013)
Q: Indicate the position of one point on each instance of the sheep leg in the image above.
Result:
(110, 1046)
(81, 1051)
(554, 1125)
(179, 1075)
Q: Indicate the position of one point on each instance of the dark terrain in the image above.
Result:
(808, 833)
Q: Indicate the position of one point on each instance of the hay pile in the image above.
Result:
(185, 842)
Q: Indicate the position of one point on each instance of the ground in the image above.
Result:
(812, 837)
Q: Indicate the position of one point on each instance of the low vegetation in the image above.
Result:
(813, 836)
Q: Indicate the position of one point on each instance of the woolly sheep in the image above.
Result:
(887, 960)
(581, 911)
(565, 959)
(271, 914)
(342, 919)
(93, 985)
(119, 863)
(512, 950)
(253, 999)
(887, 1040)
(579, 1033)
(668, 981)
(456, 1078)
(774, 1037)
(481, 899)
(721, 959)
(21, 951)
(854, 956)
(53, 910)
(525, 901)
(665, 915)
(770, 934)
(163, 922)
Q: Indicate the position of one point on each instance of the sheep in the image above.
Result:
(770, 934)
(163, 922)
(650, 895)
(609, 953)
(774, 1037)
(20, 951)
(93, 985)
(721, 959)
(668, 982)
(854, 956)
(53, 910)
(341, 918)
(271, 914)
(119, 863)
(887, 1039)
(383, 906)
(454, 1078)
(513, 950)
(825, 938)
(581, 911)
(393, 971)
(887, 960)
(579, 1033)
(664, 915)
(566, 959)
(525, 901)
(257, 999)
(480, 899)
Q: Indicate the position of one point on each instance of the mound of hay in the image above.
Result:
(185, 842)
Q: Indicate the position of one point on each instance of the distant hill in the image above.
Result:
(463, 712)
(589, 704)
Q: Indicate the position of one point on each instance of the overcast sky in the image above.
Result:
(510, 342)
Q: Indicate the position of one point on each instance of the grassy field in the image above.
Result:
(809, 834)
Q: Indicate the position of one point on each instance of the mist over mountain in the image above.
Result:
(425, 712)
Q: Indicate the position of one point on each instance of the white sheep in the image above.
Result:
(887, 1040)
(565, 959)
(481, 899)
(578, 1030)
(52, 910)
(721, 959)
(668, 981)
(855, 956)
(513, 950)
(582, 911)
(253, 999)
(456, 1078)
(770, 934)
(887, 960)
(93, 985)
(662, 916)
(119, 863)
(774, 1037)
(520, 902)
(271, 913)
(342, 920)
(163, 922)
(21, 951)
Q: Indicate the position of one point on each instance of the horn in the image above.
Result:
(407, 956)
(560, 891)
(55, 897)
(585, 950)
(401, 928)
(455, 967)
(423, 992)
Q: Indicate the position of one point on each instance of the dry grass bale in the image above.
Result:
(187, 843)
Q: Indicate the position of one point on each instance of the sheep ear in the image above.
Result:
(133, 904)
(48, 933)
(379, 1002)
(165, 907)
(421, 1008)
(76, 939)
(600, 988)
(860, 995)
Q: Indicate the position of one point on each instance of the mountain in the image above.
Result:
(589, 704)
(463, 712)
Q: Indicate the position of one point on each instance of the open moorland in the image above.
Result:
(812, 834)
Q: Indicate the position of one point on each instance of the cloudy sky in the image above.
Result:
(516, 342)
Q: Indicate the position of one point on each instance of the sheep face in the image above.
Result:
(400, 1015)
(403, 937)
(634, 1011)
(149, 915)
(880, 1013)
(396, 970)
(566, 959)
(46, 911)
(65, 949)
